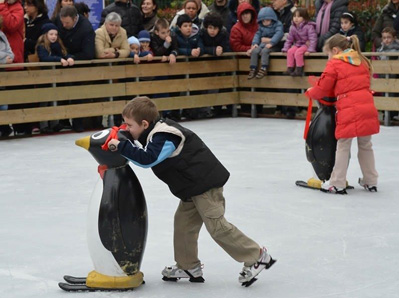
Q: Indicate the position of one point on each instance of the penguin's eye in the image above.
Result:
(99, 135)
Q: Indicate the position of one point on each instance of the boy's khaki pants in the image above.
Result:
(366, 160)
(208, 208)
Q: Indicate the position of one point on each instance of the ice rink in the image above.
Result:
(326, 245)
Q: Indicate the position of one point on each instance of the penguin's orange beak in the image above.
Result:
(83, 142)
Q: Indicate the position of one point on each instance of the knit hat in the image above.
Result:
(144, 35)
(133, 40)
(47, 27)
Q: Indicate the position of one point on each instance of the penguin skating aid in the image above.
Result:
(117, 222)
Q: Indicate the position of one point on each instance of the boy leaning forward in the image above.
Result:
(192, 172)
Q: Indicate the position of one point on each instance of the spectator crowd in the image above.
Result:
(126, 30)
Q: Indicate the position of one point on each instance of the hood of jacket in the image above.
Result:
(195, 30)
(267, 13)
(349, 56)
(243, 7)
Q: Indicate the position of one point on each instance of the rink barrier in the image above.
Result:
(102, 87)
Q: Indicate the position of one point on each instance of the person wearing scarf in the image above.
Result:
(328, 22)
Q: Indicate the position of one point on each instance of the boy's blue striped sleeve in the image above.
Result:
(157, 150)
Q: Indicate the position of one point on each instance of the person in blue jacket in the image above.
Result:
(266, 39)
(188, 37)
(178, 157)
(50, 48)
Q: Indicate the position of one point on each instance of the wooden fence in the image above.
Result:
(102, 87)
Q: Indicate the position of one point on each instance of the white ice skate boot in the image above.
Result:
(248, 274)
(173, 273)
(326, 187)
(371, 188)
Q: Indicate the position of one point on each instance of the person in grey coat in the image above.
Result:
(270, 28)
(6, 54)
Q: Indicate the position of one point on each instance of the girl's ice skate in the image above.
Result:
(248, 274)
(371, 188)
(326, 187)
(173, 273)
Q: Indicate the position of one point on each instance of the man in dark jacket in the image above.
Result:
(132, 20)
(221, 7)
(78, 36)
(77, 33)
(283, 10)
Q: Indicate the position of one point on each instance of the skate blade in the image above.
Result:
(197, 279)
(192, 279)
(341, 192)
(272, 261)
(248, 283)
(170, 278)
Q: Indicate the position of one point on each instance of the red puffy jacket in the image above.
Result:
(356, 113)
(241, 34)
(13, 28)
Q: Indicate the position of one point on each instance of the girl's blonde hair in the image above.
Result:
(346, 42)
(44, 41)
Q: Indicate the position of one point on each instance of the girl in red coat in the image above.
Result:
(243, 31)
(347, 77)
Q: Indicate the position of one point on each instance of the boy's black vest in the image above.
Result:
(194, 170)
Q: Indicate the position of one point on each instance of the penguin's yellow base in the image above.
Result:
(98, 280)
(313, 182)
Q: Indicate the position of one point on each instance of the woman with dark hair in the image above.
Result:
(191, 8)
(82, 9)
(35, 17)
(60, 4)
(149, 9)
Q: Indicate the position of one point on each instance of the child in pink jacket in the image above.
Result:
(301, 40)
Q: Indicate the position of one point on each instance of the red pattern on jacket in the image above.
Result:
(241, 34)
(356, 113)
(13, 28)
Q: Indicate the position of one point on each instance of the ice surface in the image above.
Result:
(326, 245)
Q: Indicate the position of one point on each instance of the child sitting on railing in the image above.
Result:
(301, 40)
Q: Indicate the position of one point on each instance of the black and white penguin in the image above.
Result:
(117, 218)
(321, 143)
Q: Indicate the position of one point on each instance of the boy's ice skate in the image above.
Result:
(371, 188)
(326, 187)
(173, 273)
(248, 274)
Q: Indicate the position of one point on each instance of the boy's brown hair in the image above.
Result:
(389, 30)
(1, 22)
(141, 108)
(161, 24)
